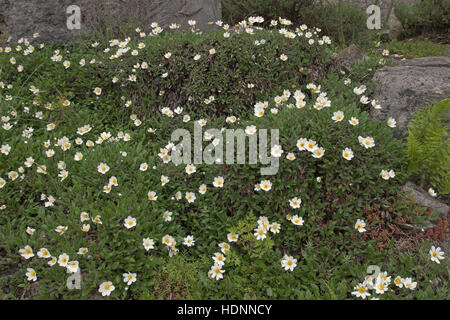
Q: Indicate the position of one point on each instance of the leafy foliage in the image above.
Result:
(343, 21)
(428, 145)
(332, 255)
(424, 15)
(418, 48)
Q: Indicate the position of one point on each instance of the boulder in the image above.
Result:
(422, 197)
(412, 84)
(22, 18)
(344, 59)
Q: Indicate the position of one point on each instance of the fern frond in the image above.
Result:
(428, 146)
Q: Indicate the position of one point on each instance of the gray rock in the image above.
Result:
(344, 59)
(22, 18)
(422, 197)
(445, 246)
(409, 86)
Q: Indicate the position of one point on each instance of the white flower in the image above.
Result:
(367, 142)
(361, 291)
(353, 121)
(384, 174)
(63, 259)
(103, 168)
(72, 266)
(98, 91)
(152, 196)
(288, 263)
(391, 174)
(432, 193)
(275, 227)
(164, 180)
(218, 182)
(360, 225)
(250, 130)
(311, 145)
(26, 252)
(82, 251)
(219, 259)
(202, 189)
(338, 116)
(167, 215)
(216, 272)
(148, 243)
(409, 283)
(190, 197)
(391, 123)
(61, 229)
(5, 149)
(31, 274)
(129, 278)
(129, 222)
(190, 169)
(276, 151)
(301, 144)
(295, 202)
(265, 185)
(318, 152)
(189, 241)
(380, 286)
(233, 237)
(298, 221)
(78, 156)
(347, 153)
(259, 111)
(106, 288)
(260, 233)
(398, 281)
(30, 231)
(290, 156)
(436, 254)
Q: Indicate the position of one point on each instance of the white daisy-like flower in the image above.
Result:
(189, 241)
(265, 185)
(298, 221)
(129, 222)
(103, 168)
(106, 288)
(288, 263)
(360, 225)
(347, 153)
(148, 243)
(276, 151)
(218, 182)
(295, 202)
(129, 278)
(436, 254)
(361, 291)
